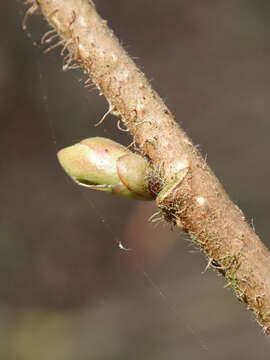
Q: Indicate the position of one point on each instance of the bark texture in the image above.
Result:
(192, 197)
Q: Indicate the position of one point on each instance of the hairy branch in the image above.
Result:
(191, 197)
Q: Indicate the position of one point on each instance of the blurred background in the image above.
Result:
(67, 290)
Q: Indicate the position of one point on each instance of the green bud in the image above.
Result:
(103, 164)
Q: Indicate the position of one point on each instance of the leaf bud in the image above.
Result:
(102, 164)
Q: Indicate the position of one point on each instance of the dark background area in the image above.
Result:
(67, 290)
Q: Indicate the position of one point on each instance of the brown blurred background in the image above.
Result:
(67, 290)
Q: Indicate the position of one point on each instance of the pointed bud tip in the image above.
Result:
(72, 160)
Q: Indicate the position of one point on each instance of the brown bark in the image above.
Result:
(197, 202)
